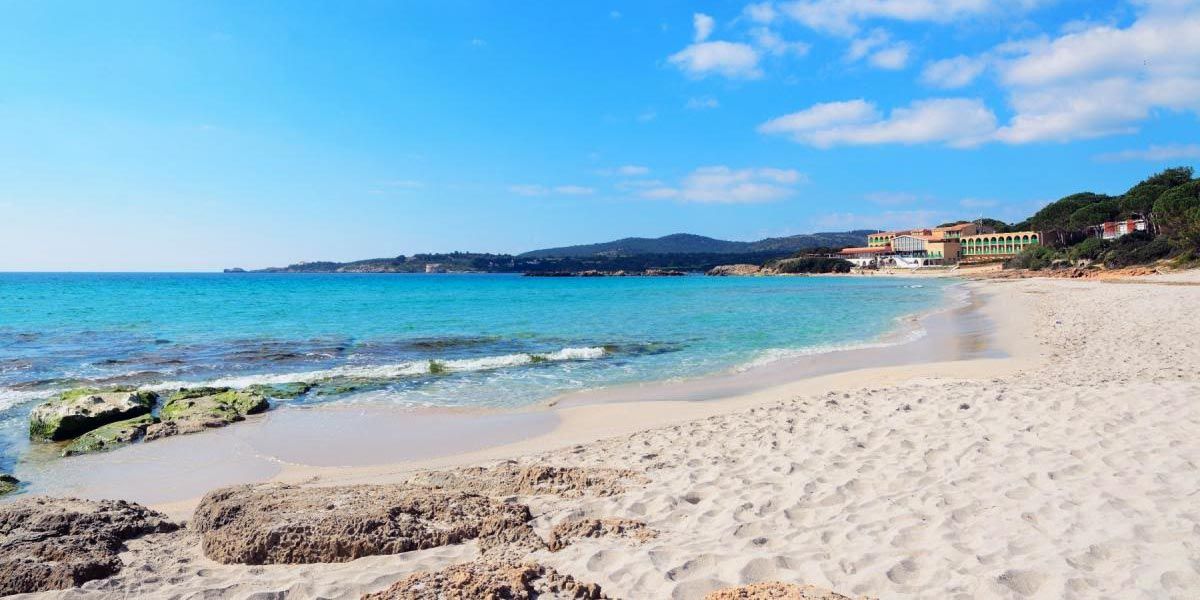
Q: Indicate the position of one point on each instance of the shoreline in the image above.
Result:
(296, 443)
(1063, 469)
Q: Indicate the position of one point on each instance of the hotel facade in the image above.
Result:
(965, 242)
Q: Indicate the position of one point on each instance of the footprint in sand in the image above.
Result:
(1025, 583)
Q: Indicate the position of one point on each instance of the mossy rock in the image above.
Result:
(111, 436)
(75, 412)
(280, 391)
(8, 484)
(192, 410)
(220, 403)
(346, 385)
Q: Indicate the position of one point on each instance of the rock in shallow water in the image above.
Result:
(8, 484)
(110, 437)
(272, 523)
(57, 543)
(76, 412)
(490, 581)
(196, 409)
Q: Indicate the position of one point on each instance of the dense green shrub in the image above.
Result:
(1137, 248)
(1177, 213)
(1034, 258)
(1089, 249)
(813, 264)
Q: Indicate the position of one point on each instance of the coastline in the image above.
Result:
(1061, 470)
(297, 443)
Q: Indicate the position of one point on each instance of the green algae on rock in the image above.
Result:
(280, 391)
(76, 412)
(111, 436)
(191, 410)
(8, 484)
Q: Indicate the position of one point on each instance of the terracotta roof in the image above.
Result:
(873, 249)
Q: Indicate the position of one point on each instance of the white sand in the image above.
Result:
(1071, 470)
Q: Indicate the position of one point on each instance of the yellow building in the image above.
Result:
(995, 246)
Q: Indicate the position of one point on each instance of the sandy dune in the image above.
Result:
(1070, 471)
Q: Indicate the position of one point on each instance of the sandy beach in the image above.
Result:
(1066, 469)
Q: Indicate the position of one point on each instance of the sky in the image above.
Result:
(152, 136)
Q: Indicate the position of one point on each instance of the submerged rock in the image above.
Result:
(510, 478)
(57, 543)
(777, 591)
(111, 436)
(280, 391)
(8, 484)
(76, 412)
(726, 270)
(287, 524)
(570, 530)
(490, 581)
(196, 409)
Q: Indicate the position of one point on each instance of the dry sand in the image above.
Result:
(1070, 469)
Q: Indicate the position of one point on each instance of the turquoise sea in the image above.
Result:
(418, 340)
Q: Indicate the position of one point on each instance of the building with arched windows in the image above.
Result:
(997, 246)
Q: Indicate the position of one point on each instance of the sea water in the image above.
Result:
(460, 340)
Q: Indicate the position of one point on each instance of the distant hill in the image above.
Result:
(686, 243)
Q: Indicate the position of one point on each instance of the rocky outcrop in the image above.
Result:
(111, 436)
(490, 581)
(57, 543)
(8, 484)
(196, 409)
(777, 591)
(573, 529)
(280, 391)
(274, 524)
(727, 270)
(76, 412)
(510, 478)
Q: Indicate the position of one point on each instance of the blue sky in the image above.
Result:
(200, 135)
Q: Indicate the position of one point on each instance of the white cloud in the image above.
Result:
(1154, 153)
(702, 103)
(533, 189)
(879, 50)
(762, 12)
(723, 185)
(647, 115)
(843, 17)
(625, 171)
(730, 59)
(951, 73)
(704, 26)
(957, 122)
(774, 43)
(615, 14)
(1105, 80)
(892, 58)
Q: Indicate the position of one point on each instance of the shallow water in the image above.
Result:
(494, 340)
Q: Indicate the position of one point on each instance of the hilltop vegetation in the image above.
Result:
(1169, 201)
(681, 252)
(686, 243)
